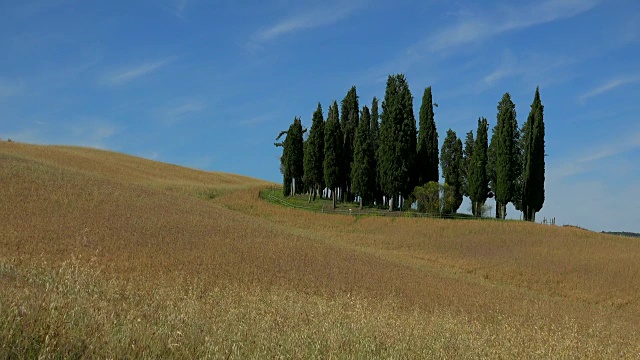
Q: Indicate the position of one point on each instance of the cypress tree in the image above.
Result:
(491, 167)
(333, 148)
(396, 153)
(427, 159)
(478, 183)
(296, 155)
(451, 159)
(348, 122)
(505, 153)
(362, 171)
(292, 159)
(408, 143)
(314, 154)
(469, 143)
(518, 199)
(534, 164)
(284, 165)
(375, 143)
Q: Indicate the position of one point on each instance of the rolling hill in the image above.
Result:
(108, 255)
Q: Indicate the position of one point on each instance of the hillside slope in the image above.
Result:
(162, 249)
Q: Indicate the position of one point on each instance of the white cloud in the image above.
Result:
(85, 131)
(179, 7)
(476, 28)
(125, 75)
(576, 165)
(173, 114)
(536, 68)
(308, 19)
(610, 85)
(92, 133)
(256, 120)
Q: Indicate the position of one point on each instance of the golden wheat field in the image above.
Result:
(104, 255)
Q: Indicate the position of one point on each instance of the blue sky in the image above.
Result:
(209, 84)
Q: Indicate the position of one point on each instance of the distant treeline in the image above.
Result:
(385, 160)
(622, 233)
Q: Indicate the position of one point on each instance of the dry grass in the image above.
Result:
(107, 255)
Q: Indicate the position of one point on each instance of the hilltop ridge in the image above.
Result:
(160, 234)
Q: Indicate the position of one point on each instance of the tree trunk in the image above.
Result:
(390, 204)
(361, 203)
(334, 197)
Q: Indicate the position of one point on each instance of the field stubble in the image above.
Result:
(107, 255)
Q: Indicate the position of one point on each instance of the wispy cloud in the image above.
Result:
(305, 20)
(88, 131)
(529, 66)
(123, 76)
(476, 28)
(610, 85)
(176, 113)
(93, 132)
(472, 27)
(584, 164)
(256, 120)
(179, 7)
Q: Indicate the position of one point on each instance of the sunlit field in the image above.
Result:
(107, 255)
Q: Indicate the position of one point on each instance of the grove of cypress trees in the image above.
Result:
(477, 182)
(451, 159)
(534, 164)
(348, 122)
(363, 171)
(427, 157)
(314, 154)
(333, 148)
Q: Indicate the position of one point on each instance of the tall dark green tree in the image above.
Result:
(349, 120)
(295, 136)
(467, 153)
(363, 170)
(505, 154)
(452, 162)
(477, 182)
(292, 158)
(491, 166)
(533, 195)
(375, 143)
(518, 199)
(314, 155)
(333, 151)
(397, 149)
(427, 157)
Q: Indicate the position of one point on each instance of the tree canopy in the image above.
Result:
(427, 148)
